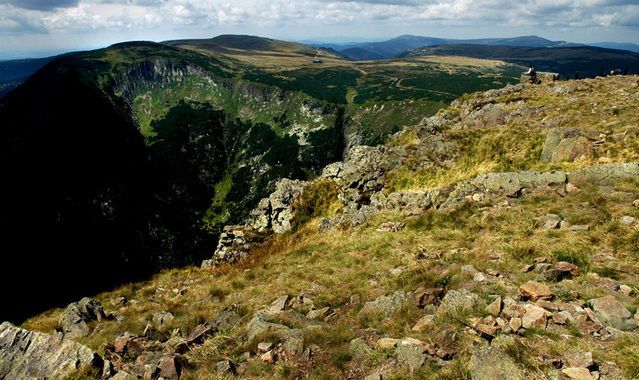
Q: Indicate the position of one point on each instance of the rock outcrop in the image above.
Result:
(30, 354)
(74, 321)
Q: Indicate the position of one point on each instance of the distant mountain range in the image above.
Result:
(619, 46)
(398, 45)
(14, 72)
(395, 46)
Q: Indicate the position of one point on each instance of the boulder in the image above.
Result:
(456, 300)
(612, 313)
(534, 317)
(388, 343)
(75, 318)
(161, 318)
(572, 148)
(535, 290)
(30, 354)
(580, 359)
(494, 308)
(423, 322)
(360, 350)
(604, 174)
(261, 325)
(225, 367)
(493, 362)
(386, 305)
(427, 296)
(234, 245)
(561, 271)
(565, 144)
(577, 373)
(410, 356)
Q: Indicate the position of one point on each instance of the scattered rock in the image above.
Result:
(388, 343)
(534, 317)
(515, 324)
(612, 313)
(492, 362)
(264, 347)
(75, 319)
(580, 359)
(561, 318)
(360, 350)
(494, 308)
(535, 290)
(456, 300)
(410, 356)
(386, 305)
(161, 318)
(319, 313)
(170, 366)
(625, 290)
(225, 367)
(427, 296)
(552, 224)
(268, 357)
(561, 271)
(391, 227)
(479, 277)
(279, 304)
(628, 220)
(292, 339)
(580, 227)
(423, 322)
(577, 373)
(29, 354)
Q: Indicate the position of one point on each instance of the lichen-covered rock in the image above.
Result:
(281, 201)
(386, 305)
(75, 319)
(566, 144)
(234, 245)
(30, 354)
(493, 362)
(612, 313)
(457, 300)
(261, 325)
(604, 174)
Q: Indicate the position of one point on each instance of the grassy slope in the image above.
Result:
(331, 267)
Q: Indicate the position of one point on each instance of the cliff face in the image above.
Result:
(81, 172)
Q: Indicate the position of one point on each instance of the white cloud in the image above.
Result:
(162, 19)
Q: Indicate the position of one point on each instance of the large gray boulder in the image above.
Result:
(612, 313)
(386, 305)
(455, 301)
(605, 174)
(493, 362)
(29, 354)
(74, 321)
(566, 144)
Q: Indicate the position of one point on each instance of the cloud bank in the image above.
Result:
(31, 23)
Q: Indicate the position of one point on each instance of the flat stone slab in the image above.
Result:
(31, 354)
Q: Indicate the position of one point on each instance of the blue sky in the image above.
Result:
(43, 27)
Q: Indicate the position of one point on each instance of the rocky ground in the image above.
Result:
(497, 239)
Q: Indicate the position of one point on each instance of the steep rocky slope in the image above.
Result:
(497, 239)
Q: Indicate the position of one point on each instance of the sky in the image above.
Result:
(32, 28)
